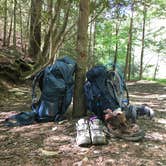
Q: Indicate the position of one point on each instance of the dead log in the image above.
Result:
(11, 69)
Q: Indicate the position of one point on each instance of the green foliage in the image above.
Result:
(160, 81)
(154, 37)
(113, 13)
(106, 40)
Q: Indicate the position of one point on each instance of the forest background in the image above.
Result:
(130, 34)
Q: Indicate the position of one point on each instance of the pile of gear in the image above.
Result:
(106, 97)
(94, 131)
(106, 89)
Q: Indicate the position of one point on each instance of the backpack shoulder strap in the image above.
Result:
(36, 79)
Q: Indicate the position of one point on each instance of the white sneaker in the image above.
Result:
(97, 133)
(83, 135)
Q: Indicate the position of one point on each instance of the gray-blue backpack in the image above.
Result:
(56, 84)
(104, 89)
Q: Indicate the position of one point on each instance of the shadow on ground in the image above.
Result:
(54, 144)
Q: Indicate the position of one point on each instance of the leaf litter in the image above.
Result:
(54, 144)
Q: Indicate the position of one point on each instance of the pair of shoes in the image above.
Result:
(90, 132)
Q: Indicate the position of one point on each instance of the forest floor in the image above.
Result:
(54, 144)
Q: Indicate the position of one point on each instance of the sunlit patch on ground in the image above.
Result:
(162, 121)
(161, 110)
(4, 115)
(54, 144)
(156, 136)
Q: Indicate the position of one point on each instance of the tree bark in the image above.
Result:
(58, 32)
(35, 29)
(116, 33)
(5, 23)
(79, 108)
(14, 23)
(116, 46)
(156, 67)
(52, 32)
(143, 41)
(129, 47)
(50, 7)
(10, 31)
(90, 38)
(21, 30)
(94, 44)
(90, 44)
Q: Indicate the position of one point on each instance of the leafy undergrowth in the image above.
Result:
(54, 144)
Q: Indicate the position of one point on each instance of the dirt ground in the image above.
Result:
(54, 144)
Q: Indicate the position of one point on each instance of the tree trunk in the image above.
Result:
(143, 42)
(92, 39)
(5, 23)
(133, 66)
(10, 31)
(52, 32)
(90, 44)
(94, 44)
(14, 23)
(116, 46)
(129, 46)
(58, 35)
(79, 108)
(50, 7)
(156, 68)
(35, 29)
(21, 30)
(27, 32)
(50, 17)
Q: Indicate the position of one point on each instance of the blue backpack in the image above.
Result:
(56, 84)
(104, 89)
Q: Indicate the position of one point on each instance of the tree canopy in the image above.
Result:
(129, 33)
